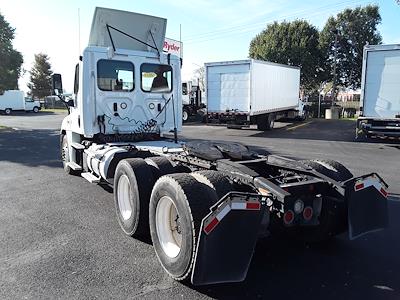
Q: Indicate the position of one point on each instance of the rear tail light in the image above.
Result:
(308, 213)
(288, 217)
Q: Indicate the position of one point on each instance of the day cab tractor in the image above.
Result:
(204, 204)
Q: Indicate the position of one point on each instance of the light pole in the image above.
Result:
(336, 32)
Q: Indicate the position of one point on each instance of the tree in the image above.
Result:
(292, 43)
(199, 77)
(355, 28)
(40, 79)
(11, 60)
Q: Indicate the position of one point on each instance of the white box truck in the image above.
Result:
(14, 100)
(380, 92)
(249, 91)
(203, 203)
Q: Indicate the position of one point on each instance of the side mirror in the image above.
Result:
(57, 88)
(69, 101)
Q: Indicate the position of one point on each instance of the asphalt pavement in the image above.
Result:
(60, 238)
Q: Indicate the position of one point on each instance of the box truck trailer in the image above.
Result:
(204, 204)
(380, 92)
(14, 100)
(249, 91)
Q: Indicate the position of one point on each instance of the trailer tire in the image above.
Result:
(160, 165)
(8, 111)
(178, 204)
(133, 182)
(218, 181)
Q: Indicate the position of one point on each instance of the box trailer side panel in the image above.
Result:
(382, 84)
(274, 88)
(228, 87)
(13, 99)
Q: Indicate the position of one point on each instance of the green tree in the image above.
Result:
(292, 43)
(11, 60)
(40, 77)
(356, 28)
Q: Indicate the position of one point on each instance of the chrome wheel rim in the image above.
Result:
(123, 195)
(168, 227)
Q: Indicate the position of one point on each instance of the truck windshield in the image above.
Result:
(115, 75)
(156, 78)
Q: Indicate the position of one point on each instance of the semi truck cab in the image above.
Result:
(203, 203)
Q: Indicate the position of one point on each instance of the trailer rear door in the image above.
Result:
(228, 88)
(382, 84)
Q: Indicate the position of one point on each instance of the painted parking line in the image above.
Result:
(298, 126)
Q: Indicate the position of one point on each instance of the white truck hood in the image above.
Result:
(148, 29)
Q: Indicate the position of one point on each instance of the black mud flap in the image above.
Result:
(227, 239)
(367, 205)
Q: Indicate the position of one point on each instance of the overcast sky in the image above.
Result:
(211, 30)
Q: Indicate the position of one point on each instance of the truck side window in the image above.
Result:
(156, 78)
(76, 80)
(115, 75)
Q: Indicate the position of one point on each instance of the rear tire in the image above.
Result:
(216, 180)
(8, 111)
(133, 182)
(177, 206)
(333, 217)
(330, 168)
(160, 165)
(265, 122)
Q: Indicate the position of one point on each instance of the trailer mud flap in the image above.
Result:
(367, 205)
(228, 236)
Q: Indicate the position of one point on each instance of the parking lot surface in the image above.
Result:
(60, 237)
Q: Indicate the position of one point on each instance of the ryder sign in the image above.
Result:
(173, 47)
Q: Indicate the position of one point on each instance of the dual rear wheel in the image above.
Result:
(168, 206)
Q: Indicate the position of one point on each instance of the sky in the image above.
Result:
(211, 30)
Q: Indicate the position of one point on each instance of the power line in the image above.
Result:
(212, 35)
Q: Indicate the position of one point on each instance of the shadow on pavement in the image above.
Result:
(323, 130)
(31, 148)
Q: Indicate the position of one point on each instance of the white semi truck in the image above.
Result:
(245, 92)
(380, 92)
(14, 100)
(203, 203)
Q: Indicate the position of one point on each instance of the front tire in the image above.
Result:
(64, 152)
(177, 206)
(185, 115)
(35, 109)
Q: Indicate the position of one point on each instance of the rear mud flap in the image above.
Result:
(367, 205)
(227, 239)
